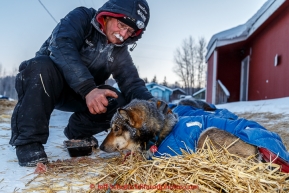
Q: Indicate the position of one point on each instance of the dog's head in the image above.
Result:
(135, 124)
(123, 130)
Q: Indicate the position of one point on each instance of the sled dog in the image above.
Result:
(141, 124)
(134, 125)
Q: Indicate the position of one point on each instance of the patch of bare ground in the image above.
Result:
(6, 108)
(278, 123)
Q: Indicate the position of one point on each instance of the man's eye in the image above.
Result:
(123, 26)
(130, 31)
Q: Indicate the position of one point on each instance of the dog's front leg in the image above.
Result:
(148, 154)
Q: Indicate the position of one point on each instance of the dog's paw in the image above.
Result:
(148, 154)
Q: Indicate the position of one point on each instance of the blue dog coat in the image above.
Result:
(192, 122)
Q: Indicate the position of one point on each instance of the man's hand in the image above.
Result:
(96, 100)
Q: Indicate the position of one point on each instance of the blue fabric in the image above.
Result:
(193, 121)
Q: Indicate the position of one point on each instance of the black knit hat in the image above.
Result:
(129, 21)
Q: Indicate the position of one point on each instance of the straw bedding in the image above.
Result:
(208, 170)
(6, 110)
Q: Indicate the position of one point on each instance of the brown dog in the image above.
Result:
(223, 139)
(148, 122)
(137, 123)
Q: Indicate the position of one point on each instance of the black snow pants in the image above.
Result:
(42, 88)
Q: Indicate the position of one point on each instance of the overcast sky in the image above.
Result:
(25, 25)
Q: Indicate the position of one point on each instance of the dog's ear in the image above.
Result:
(124, 114)
(132, 117)
(127, 116)
(163, 107)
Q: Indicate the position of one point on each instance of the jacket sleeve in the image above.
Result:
(127, 77)
(66, 40)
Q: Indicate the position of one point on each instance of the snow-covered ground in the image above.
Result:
(13, 177)
(280, 105)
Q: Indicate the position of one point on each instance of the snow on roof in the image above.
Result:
(157, 87)
(203, 89)
(174, 89)
(154, 85)
(242, 32)
(163, 88)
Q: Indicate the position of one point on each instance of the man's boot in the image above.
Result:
(30, 154)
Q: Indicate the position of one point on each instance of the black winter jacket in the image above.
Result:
(80, 50)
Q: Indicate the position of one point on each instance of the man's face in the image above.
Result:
(116, 31)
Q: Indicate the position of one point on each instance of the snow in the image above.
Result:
(276, 106)
(13, 177)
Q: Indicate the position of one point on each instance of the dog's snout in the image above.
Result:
(104, 148)
(107, 149)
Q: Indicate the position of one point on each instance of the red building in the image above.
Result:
(251, 61)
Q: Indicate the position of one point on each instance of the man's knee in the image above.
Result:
(81, 125)
(40, 64)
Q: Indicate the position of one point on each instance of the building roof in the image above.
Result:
(160, 87)
(242, 32)
(151, 84)
(157, 87)
(179, 89)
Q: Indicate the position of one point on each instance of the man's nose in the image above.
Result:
(123, 32)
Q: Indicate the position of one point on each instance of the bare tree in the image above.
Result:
(165, 83)
(145, 79)
(176, 85)
(201, 63)
(155, 79)
(14, 71)
(0, 69)
(190, 64)
(7, 83)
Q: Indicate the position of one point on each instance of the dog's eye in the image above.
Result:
(116, 129)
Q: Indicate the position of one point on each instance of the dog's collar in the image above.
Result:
(152, 142)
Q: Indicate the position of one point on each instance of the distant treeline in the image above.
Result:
(7, 87)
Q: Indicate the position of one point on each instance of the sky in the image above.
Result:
(13, 177)
(25, 25)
